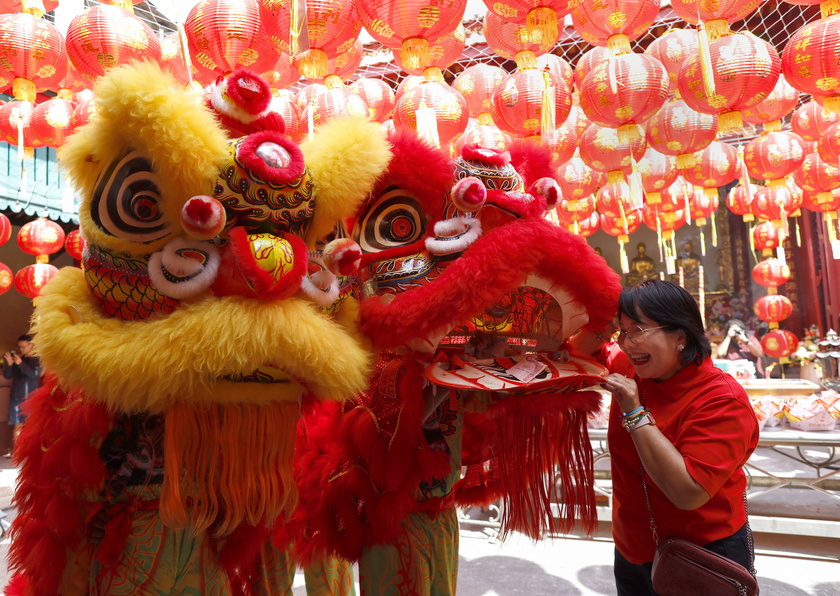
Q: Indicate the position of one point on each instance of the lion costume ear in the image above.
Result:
(345, 157)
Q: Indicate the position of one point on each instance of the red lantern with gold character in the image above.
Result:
(671, 49)
(766, 236)
(82, 113)
(34, 55)
(571, 210)
(30, 280)
(811, 122)
(739, 201)
(542, 18)
(816, 176)
(779, 343)
(40, 237)
(828, 147)
(809, 62)
(51, 122)
(716, 166)
(614, 23)
(518, 106)
(477, 83)
(377, 94)
(601, 149)
(512, 41)
(106, 36)
(7, 279)
(715, 15)
(577, 180)
(623, 91)
(563, 142)
(772, 203)
(770, 111)
(774, 156)
(433, 108)
(36, 8)
(773, 308)
(333, 103)
(771, 273)
(614, 200)
(587, 62)
(678, 130)
(5, 229)
(822, 202)
(658, 171)
(745, 70)
(584, 228)
(483, 135)
(74, 244)
(703, 204)
(442, 54)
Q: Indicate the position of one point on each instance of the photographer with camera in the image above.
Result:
(25, 372)
(738, 344)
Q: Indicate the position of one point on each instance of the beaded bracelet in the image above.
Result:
(634, 418)
(634, 412)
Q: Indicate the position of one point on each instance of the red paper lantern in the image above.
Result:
(283, 73)
(40, 237)
(5, 229)
(658, 172)
(477, 83)
(484, 135)
(82, 113)
(106, 36)
(778, 104)
(587, 61)
(578, 119)
(659, 220)
(716, 166)
(37, 9)
(563, 142)
(34, 55)
(584, 228)
(450, 110)
(811, 122)
(766, 236)
(678, 130)
(614, 23)
(7, 279)
(172, 60)
(672, 49)
(512, 41)
(577, 180)
(74, 244)
(716, 15)
(541, 17)
(773, 308)
(822, 202)
(703, 203)
(307, 95)
(377, 95)
(442, 54)
(809, 61)
(614, 200)
(517, 102)
(779, 343)
(571, 210)
(745, 71)
(816, 176)
(623, 91)
(14, 122)
(771, 273)
(51, 122)
(772, 203)
(30, 280)
(828, 147)
(558, 67)
(410, 26)
(602, 150)
(332, 104)
(284, 104)
(621, 227)
(774, 156)
(739, 200)
(247, 41)
(338, 68)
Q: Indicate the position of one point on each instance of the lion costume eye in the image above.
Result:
(126, 201)
(394, 220)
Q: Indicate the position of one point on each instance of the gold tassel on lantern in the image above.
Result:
(34, 7)
(427, 124)
(547, 116)
(312, 64)
(299, 29)
(829, 7)
(23, 89)
(714, 231)
(798, 236)
(414, 53)
(686, 161)
(730, 121)
(625, 265)
(184, 48)
(637, 198)
(702, 242)
(628, 133)
(706, 69)
(541, 25)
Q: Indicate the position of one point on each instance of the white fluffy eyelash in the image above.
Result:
(454, 235)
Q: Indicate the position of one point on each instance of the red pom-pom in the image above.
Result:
(468, 194)
(203, 217)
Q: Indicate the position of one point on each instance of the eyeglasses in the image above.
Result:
(635, 334)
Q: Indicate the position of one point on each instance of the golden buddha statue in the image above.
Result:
(642, 267)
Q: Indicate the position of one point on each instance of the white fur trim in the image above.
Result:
(181, 277)
(320, 287)
(454, 235)
(227, 107)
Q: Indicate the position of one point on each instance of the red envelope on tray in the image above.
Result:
(528, 373)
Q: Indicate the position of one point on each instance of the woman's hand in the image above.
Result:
(625, 391)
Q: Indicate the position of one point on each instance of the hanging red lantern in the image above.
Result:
(771, 273)
(577, 180)
(15, 117)
(332, 104)
(37, 8)
(247, 40)
(809, 64)
(541, 18)
(74, 244)
(817, 177)
(766, 236)
(614, 23)
(770, 111)
(716, 166)
(587, 61)
(703, 204)
(584, 228)
(624, 91)
(5, 229)
(51, 122)
(307, 95)
(172, 59)
(659, 220)
(377, 95)
(578, 120)
(513, 42)
(739, 200)
(82, 113)
(671, 49)
(774, 156)
(34, 55)
(773, 308)
(772, 203)
(558, 67)
(601, 149)
(715, 16)
(678, 130)
(676, 196)
(621, 228)
(822, 202)
(30, 280)
(563, 142)
(658, 172)
(283, 74)
(614, 200)
(745, 70)
(811, 122)
(106, 36)
(340, 67)
(7, 279)
(477, 83)
(442, 54)
(284, 104)
(571, 210)
(779, 343)
(410, 26)
(40, 237)
(828, 147)
(433, 108)
(518, 102)
(484, 135)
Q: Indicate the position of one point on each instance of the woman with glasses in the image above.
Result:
(680, 431)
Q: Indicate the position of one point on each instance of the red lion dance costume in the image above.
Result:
(468, 296)
(159, 453)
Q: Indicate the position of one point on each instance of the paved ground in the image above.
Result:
(788, 562)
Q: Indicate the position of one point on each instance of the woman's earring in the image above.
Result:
(680, 348)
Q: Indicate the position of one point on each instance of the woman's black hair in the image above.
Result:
(671, 306)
